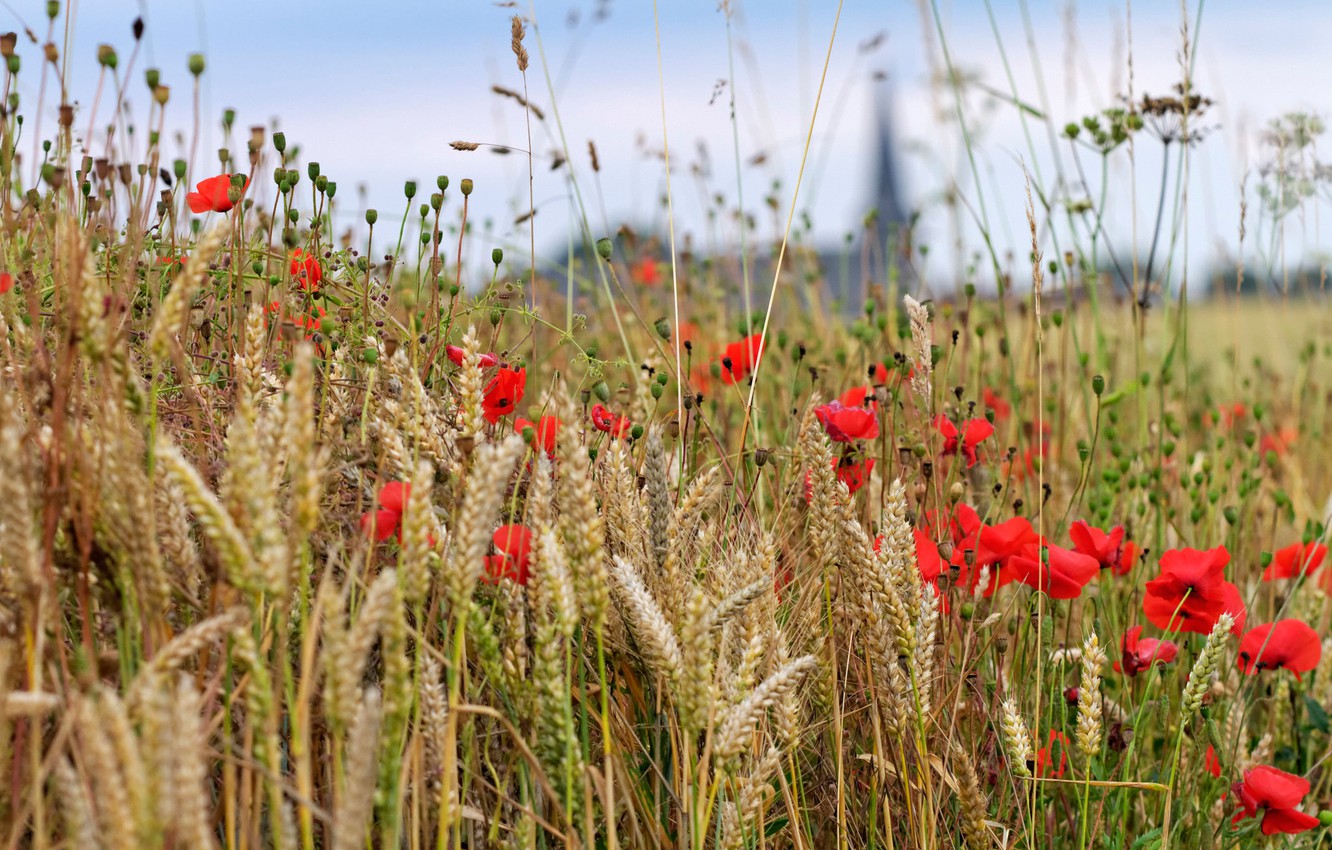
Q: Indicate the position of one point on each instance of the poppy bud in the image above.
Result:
(371, 216)
(370, 356)
(663, 328)
(591, 350)
(1098, 384)
(656, 390)
(967, 610)
(664, 379)
(409, 189)
(1325, 817)
(636, 432)
(196, 64)
(601, 390)
(152, 76)
(466, 186)
(761, 456)
(604, 248)
(495, 316)
(497, 255)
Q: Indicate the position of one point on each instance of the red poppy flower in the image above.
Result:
(1289, 644)
(456, 355)
(1211, 763)
(880, 374)
(1128, 556)
(1191, 592)
(513, 555)
(859, 397)
(210, 194)
(306, 270)
(994, 401)
(1277, 793)
(1062, 574)
(615, 424)
(503, 393)
(1140, 653)
(962, 525)
(646, 272)
(6, 282)
(740, 359)
(544, 431)
(1052, 752)
(387, 519)
(1009, 538)
(1297, 559)
(311, 322)
(973, 432)
(1101, 545)
(1278, 442)
(854, 472)
(845, 424)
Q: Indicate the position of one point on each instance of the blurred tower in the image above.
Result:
(893, 218)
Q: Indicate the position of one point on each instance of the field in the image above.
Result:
(320, 543)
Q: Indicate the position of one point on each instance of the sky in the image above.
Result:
(375, 92)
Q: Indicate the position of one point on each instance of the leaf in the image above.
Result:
(1142, 842)
(1317, 714)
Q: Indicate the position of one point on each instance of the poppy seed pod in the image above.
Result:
(196, 63)
(497, 255)
(161, 95)
(409, 189)
(442, 181)
(604, 248)
(280, 141)
(371, 216)
(106, 56)
(152, 76)
(466, 186)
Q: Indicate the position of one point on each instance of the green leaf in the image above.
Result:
(1151, 837)
(1317, 714)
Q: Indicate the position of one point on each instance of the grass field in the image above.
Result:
(312, 544)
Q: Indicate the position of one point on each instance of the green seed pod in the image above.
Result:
(604, 248)
(436, 200)
(663, 328)
(1098, 384)
(602, 391)
(331, 188)
(497, 255)
(313, 170)
(636, 432)
(371, 216)
(370, 356)
(409, 189)
(442, 181)
(280, 142)
(153, 77)
(466, 186)
(196, 64)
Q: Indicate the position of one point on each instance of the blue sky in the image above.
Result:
(376, 91)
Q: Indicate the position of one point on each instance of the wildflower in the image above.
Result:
(1101, 545)
(1139, 653)
(972, 433)
(1288, 643)
(1046, 756)
(853, 472)
(845, 424)
(1191, 592)
(544, 431)
(503, 393)
(1057, 571)
(1278, 794)
(646, 272)
(456, 354)
(387, 519)
(306, 270)
(1211, 763)
(1297, 559)
(513, 555)
(991, 399)
(6, 282)
(614, 424)
(210, 194)
(1009, 538)
(740, 359)
(859, 397)
(1277, 442)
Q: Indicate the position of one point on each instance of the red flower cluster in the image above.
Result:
(543, 432)
(1140, 653)
(615, 424)
(306, 270)
(1056, 748)
(6, 282)
(844, 423)
(645, 272)
(513, 555)
(1289, 644)
(1013, 551)
(973, 432)
(991, 399)
(387, 520)
(1110, 549)
(1191, 592)
(1297, 559)
(740, 358)
(210, 195)
(1278, 794)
